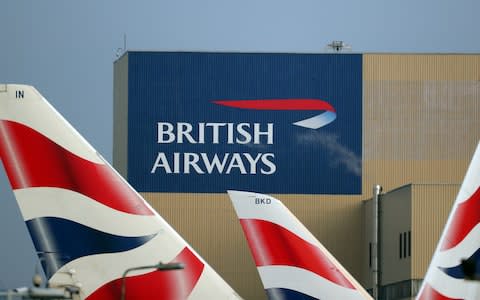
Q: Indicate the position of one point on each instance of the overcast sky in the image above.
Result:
(66, 49)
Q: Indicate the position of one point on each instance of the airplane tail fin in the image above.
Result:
(87, 223)
(460, 239)
(291, 262)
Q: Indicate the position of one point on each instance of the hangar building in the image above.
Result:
(408, 122)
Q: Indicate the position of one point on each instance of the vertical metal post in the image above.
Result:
(377, 189)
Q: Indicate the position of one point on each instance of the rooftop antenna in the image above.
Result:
(120, 51)
(338, 46)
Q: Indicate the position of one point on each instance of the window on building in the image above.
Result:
(370, 255)
(400, 246)
(404, 244)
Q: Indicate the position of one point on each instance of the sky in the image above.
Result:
(66, 49)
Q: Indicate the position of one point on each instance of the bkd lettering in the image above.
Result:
(263, 201)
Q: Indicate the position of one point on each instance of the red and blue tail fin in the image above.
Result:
(291, 262)
(460, 240)
(86, 222)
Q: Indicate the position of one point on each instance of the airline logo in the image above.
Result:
(284, 116)
(325, 118)
(460, 240)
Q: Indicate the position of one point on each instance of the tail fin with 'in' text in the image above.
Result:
(86, 222)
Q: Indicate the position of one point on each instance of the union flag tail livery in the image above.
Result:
(291, 262)
(460, 239)
(87, 224)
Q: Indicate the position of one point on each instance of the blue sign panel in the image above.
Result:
(272, 123)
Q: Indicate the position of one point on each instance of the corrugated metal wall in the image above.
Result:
(420, 125)
(431, 205)
(420, 117)
(120, 115)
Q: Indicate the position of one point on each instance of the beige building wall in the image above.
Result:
(420, 117)
(431, 206)
(420, 124)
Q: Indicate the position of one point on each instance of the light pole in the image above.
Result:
(377, 189)
(159, 267)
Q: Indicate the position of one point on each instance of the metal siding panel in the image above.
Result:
(395, 219)
(409, 119)
(120, 114)
(420, 117)
(394, 173)
(431, 205)
(422, 67)
(366, 275)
